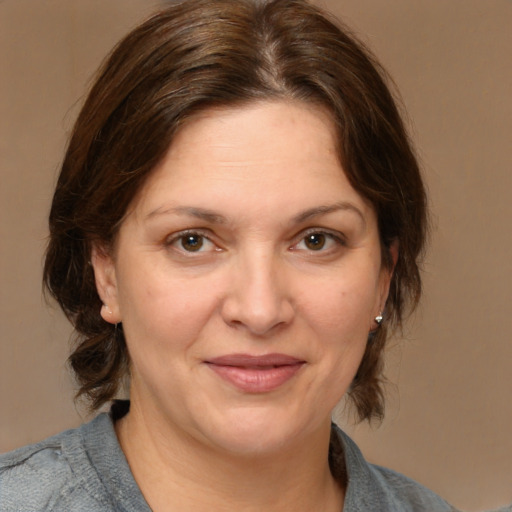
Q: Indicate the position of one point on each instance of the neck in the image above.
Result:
(177, 472)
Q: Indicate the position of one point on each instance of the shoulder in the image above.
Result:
(409, 493)
(372, 487)
(34, 477)
(50, 475)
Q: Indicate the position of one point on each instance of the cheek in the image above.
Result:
(338, 325)
(340, 318)
(344, 304)
(163, 312)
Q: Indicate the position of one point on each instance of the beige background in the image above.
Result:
(450, 410)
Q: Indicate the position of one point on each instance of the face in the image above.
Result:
(246, 275)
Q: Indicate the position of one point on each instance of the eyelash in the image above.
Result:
(336, 237)
(177, 237)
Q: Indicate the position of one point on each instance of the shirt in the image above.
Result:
(85, 470)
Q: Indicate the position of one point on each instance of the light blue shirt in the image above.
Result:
(84, 470)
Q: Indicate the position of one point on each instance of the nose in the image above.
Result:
(259, 297)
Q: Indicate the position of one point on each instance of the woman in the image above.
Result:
(237, 224)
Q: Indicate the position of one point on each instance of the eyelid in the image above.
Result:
(337, 236)
(334, 235)
(205, 233)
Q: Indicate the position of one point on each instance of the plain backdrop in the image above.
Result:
(449, 413)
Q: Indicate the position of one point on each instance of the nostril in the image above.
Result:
(256, 301)
(257, 322)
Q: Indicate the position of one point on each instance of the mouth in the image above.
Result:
(256, 374)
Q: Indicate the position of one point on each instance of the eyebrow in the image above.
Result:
(326, 209)
(216, 218)
(190, 211)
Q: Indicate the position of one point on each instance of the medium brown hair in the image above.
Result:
(200, 54)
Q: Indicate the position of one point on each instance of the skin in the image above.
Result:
(287, 260)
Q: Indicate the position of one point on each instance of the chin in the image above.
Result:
(253, 432)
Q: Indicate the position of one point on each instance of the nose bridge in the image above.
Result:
(259, 297)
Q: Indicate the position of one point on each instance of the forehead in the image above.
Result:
(271, 126)
(269, 152)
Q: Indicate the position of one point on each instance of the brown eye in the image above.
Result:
(192, 242)
(315, 241)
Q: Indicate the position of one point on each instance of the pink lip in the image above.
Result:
(256, 374)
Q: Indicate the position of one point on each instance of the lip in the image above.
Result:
(256, 374)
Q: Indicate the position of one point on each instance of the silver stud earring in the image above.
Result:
(378, 319)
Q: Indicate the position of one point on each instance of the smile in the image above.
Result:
(256, 374)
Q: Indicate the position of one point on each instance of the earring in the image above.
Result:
(109, 311)
(378, 319)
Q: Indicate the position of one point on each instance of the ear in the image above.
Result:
(106, 283)
(386, 274)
